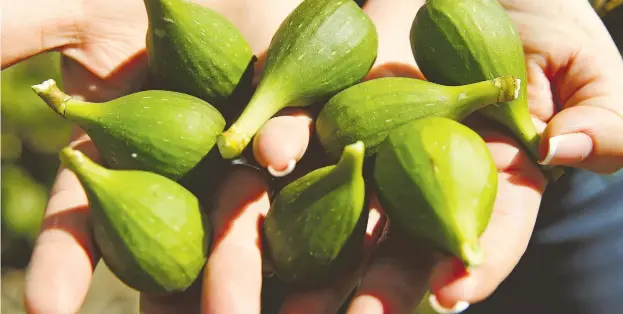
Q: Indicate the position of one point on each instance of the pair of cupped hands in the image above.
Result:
(576, 99)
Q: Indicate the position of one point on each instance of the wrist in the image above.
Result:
(38, 26)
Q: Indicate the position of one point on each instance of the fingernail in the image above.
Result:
(457, 308)
(305, 118)
(282, 173)
(567, 149)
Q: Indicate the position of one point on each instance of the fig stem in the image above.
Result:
(52, 95)
(353, 157)
(485, 93)
(260, 109)
(509, 86)
(471, 254)
(80, 164)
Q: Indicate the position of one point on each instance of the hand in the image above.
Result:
(576, 74)
(564, 69)
(103, 50)
(397, 273)
(234, 268)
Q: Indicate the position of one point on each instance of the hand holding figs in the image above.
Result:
(401, 140)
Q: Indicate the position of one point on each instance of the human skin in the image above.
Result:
(568, 51)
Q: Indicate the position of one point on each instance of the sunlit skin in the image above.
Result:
(575, 79)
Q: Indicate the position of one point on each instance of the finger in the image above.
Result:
(507, 235)
(539, 89)
(63, 259)
(282, 142)
(586, 137)
(330, 298)
(585, 133)
(396, 278)
(233, 276)
(393, 19)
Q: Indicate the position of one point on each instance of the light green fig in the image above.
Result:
(369, 110)
(317, 222)
(150, 230)
(321, 48)
(437, 181)
(165, 132)
(195, 50)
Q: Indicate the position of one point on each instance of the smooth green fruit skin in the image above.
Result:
(151, 231)
(316, 220)
(321, 48)
(465, 41)
(195, 50)
(369, 110)
(437, 180)
(164, 132)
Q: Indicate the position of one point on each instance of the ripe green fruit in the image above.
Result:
(151, 231)
(465, 41)
(316, 222)
(195, 50)
(437, 180)
(165, 132)
(369, 110)
(321, 48)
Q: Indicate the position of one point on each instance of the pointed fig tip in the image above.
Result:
(70, 157)
(229, 144)
(353, 156)
(471, 254)
(49, 92)
(357, 147)
(44, 87)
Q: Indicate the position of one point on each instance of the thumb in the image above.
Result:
(588, 137)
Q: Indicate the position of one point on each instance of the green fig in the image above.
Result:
(164, 132)
(466, 41)
(369, 110)
(150, 230)
(321, 48)
(315, 223)
(437, 180)
(195, 50)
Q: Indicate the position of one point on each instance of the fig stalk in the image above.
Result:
(52, 95)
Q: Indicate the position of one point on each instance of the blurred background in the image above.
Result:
(31, 136)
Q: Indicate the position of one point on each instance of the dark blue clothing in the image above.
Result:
(574, 263)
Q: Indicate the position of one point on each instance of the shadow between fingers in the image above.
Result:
(236, 202)
(399, 271)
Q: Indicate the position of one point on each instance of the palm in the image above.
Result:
(110, 61)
